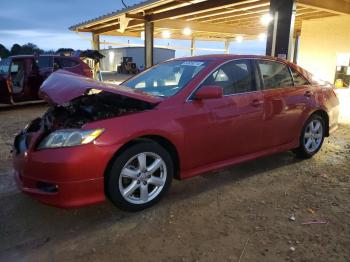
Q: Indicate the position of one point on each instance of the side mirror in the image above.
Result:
(209, 92)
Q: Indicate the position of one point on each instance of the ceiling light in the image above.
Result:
(239, 38)
(166, 34)
(262, 36)
(266, 19)
(187, 31)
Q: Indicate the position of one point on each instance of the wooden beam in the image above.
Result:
(116, 27)
(95, 42)
(197, 8)
(135, 16)
(235, 9)
(315, 16)
(126, 33)
(106, 29)
(201, 27)
(223, 18)
(339, 7)
(149, 43)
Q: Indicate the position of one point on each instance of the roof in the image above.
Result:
(208, 19)
(224, 57)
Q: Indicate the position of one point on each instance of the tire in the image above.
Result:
(311, 137)
(139, 176)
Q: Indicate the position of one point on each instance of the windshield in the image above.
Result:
(5, 66)
(166, 79)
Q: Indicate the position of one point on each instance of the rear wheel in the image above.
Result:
(140, 176)
(312, 137)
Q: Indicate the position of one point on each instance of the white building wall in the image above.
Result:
(113, 56)
(320, 42)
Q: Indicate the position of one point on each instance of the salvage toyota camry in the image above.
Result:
(177, 119)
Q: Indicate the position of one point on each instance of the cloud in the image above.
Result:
(45, 39)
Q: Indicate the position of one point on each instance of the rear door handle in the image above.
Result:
(256, 102)
(308, 94)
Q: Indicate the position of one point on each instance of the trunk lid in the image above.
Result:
(63, 86)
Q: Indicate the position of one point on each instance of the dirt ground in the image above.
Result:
(240, 214)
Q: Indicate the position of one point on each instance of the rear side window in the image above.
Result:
(299, 80)
(66, 62)
(275, 75)
(45, 62)
(235, 77)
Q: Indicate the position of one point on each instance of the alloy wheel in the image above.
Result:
(313, 136)
(142, 178)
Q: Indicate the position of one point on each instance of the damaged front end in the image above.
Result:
(91, 107)
(74, 114)
(82, 101)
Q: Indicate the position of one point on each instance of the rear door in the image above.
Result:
(284, 103)
(230, 126)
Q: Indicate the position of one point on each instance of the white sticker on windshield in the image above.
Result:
(192, 63)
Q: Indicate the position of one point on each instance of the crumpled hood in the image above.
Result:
(62, 86)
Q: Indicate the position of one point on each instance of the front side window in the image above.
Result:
(234, 77)
(166, 79)
(275, 75)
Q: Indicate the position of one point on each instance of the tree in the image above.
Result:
(4, 52)
(15, 49)
(65, 51)
(29, 49)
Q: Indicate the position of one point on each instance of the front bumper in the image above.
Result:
(63, 177)
(66, 195)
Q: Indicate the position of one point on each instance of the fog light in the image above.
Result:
(47, 187)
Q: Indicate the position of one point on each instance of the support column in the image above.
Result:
(281, 29)
(193, 46)
(296, 48)
(95, 42)
(149, 28)
(227, 46)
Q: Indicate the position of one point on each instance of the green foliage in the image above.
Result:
(4, 52)
(29, 49)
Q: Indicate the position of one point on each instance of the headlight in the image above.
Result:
(69, 137)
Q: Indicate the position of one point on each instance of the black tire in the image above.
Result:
(113, 190)
(302, 151)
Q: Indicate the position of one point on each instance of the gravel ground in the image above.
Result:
(251, 212)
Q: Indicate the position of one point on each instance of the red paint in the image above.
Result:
(208, 134)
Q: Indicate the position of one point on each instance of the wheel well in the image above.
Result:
(325, 116)
(165, 143)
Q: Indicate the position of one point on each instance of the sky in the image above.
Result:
(46, 22)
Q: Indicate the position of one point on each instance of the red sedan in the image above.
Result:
(178, 119)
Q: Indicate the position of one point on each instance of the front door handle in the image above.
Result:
(308, 94)
(256, 102)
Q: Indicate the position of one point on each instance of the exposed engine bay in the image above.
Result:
(91, 107)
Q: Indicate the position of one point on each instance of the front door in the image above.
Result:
(18, 76)
(227, 127)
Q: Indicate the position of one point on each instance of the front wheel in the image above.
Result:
(140, 176)
(312, 137)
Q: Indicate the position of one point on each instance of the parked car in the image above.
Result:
(21, 76)
(178, 119)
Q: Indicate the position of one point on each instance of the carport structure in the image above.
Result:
(214, 20)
